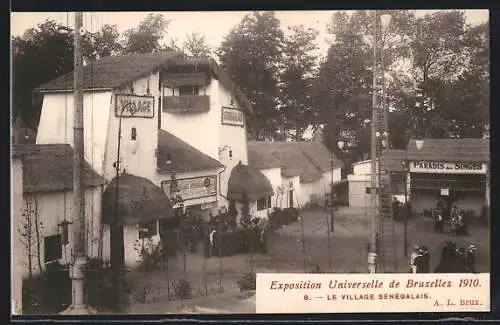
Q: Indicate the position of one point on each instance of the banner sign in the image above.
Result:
(134, 106)
(193, 188)
(233, 116)
(436, 167)
(372, 293)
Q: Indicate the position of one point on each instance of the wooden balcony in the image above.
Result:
(186, 104)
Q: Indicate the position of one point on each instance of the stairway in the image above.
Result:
(387, 236)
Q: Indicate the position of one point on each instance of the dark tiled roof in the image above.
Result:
(112, 72)
(183, 157)
(139, 201)
(454, 149)
(392, 160)
(249, 180)
(49, 168)
(116, 71)
(305, 159)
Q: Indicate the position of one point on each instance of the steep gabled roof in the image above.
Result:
(49, 168)
(116, 71)
(309, 160)
(182, 156)
(112, 72)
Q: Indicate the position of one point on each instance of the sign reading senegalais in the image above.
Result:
(232, 116)
(366, 293)
(439, 167)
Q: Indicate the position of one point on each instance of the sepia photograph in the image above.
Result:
(243, 162)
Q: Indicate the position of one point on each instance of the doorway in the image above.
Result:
(290, 199)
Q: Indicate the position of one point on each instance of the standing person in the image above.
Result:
(414, 258)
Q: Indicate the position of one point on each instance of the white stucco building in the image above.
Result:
(43, 210)
(300, 172)
(175, 116)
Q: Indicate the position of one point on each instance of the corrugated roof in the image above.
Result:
(112, 72)
(49, 168)
(183, 157)
(392, 160)
(453, 149)
(249, 180)
(305, 159)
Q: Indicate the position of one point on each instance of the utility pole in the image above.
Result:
(78, 269)
(372, 256)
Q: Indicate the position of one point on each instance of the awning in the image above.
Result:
(139, 201)
(249, 180)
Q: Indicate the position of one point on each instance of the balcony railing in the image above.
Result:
(186, 104)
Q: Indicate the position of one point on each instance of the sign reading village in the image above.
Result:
(134, 106)
(436, 167)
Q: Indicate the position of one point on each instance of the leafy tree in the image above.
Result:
(41, 54)
(45, 52)
(342, 87)
(196, 46)
(251, 55)
(146, 37)
(102, 43)
(297, 78)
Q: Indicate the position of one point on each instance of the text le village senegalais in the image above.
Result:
(437, 291)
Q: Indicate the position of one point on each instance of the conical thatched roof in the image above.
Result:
(249, 180)
(140, 201)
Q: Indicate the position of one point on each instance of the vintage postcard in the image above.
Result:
(250, 162)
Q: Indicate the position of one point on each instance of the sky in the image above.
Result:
(213, 25)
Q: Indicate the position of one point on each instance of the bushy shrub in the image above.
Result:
(183, 289)
(150, 253)
(99, 286)
(291, 215)
(247, 282)
(49, 293)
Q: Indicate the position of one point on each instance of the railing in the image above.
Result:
(186, 104)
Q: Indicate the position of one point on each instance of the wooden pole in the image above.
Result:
(372, 256)
(78, 270)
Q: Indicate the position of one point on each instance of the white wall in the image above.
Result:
(143, 162)
(295, 185)
(197, 129)
(53, 208)
(362, 167)
(234, 137)
(56, 123)
(17, 250)
(130, 238)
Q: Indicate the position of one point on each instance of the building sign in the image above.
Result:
(445, 191)
(436, 167)
(194, 188)
(134, 106)
(233, 116)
